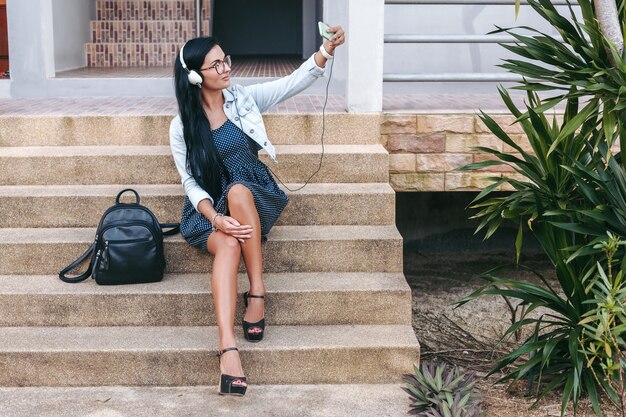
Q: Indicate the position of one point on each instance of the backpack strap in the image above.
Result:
(175, 228)
(77, 262)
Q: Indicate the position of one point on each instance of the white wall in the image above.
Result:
(364, 84)
(5, 88)
(453, 20)
(335, 12)
(71, 28)
(31, 46)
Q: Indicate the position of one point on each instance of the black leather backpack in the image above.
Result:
(128, 248)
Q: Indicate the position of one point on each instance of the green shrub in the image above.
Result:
(602, 338)
(442, 391)
(571, 190)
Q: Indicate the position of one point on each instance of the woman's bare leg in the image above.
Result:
(241, 207)
(227, 252)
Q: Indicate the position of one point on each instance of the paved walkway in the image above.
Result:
(311, 104)
(138, 106)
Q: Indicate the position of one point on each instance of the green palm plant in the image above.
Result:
(569, 189)
(582, 64)
(544, 197)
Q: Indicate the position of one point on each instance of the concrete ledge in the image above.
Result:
(187, 300)
(288, 249)
(81, 206)
(364, 400)
(172, 356)
(83, 165)
(134, 128)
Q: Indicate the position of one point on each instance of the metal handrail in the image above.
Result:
(449, 39)
(452, 77)
(455, 77)
(470, 2)
(198, 18)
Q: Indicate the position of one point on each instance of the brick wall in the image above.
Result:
(136, 33)
(424, 150)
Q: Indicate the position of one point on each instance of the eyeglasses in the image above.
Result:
(219, 65)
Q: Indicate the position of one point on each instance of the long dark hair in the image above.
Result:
(203, 160)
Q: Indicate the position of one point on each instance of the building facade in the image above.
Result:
(417, 46)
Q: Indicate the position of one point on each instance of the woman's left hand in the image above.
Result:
(338, 38)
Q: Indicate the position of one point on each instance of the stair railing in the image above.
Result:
(471, 39)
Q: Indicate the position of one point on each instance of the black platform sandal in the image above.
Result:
(231, 385)
(254, 336)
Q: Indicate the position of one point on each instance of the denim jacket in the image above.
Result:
(243, 106)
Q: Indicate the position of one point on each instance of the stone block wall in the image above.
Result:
(425, 149)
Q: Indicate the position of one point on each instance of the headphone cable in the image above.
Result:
(321, 138)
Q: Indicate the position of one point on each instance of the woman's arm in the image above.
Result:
(226, 224)
(200, 199)
(179, 152)
(271, 93)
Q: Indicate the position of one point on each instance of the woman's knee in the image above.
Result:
(222, 243)
(231, 245)
(239, 193)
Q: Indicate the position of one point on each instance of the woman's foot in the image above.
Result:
(256, 308)
(254, 320)
(230, 384)
(230, 363)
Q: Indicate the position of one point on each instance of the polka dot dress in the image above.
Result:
(240, 157)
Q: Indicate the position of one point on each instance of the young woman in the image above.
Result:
(231, 200)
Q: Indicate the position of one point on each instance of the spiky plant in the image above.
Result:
(438, 390)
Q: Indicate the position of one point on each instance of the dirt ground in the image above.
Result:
(467, 336)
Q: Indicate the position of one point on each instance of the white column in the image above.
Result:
(365, 41)
(31, 46)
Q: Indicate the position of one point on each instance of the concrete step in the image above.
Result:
(128, 129)
(186, 300)
(173, 356)
(117, 54)
(148, 10)
(82, 206)
(288, 249)
(137, 31)
(363, 400)
(154, 164)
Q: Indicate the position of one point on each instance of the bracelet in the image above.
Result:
(325, 52)
(213, 220)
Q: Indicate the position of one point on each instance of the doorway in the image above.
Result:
(251, 27)
(269, 38)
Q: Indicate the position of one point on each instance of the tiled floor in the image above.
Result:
(447, 103)
(254, 66)
(265, 66)
(118, 72)
(132, 106)
(313, 104)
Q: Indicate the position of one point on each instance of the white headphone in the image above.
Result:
(192, 75)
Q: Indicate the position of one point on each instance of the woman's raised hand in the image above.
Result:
(338, 38)
(230, 226)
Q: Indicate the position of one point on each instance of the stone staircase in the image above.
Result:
(140, 33)
(338, 307)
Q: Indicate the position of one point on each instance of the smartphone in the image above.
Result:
(324, 30)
